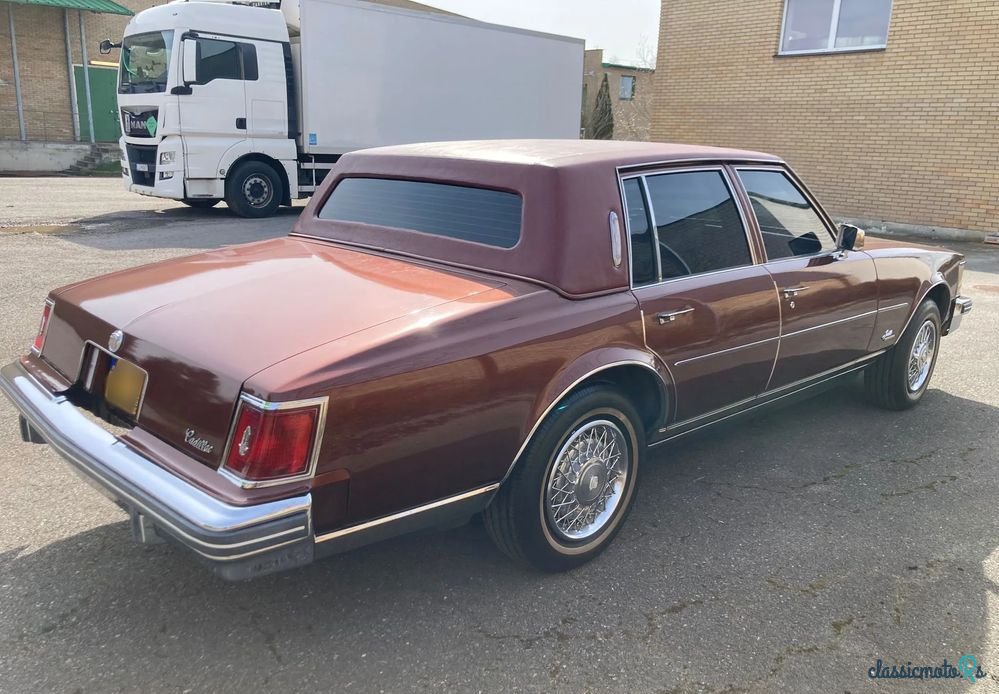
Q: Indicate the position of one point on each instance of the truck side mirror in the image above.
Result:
(107, 45)
(190, 67)
(850, 238)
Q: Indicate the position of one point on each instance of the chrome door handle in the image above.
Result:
(793, 291)
(670, 316)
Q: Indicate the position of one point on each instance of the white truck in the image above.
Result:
(253, 105)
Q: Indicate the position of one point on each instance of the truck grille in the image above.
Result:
(142, 157)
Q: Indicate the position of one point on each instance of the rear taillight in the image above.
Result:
(274, 442)
(43, 328)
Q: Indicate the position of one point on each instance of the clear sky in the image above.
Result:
(627, 30)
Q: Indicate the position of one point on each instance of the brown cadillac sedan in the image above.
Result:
(499, 327)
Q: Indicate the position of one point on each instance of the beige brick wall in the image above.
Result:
(41, 52)
(632, 119)
(908, 135)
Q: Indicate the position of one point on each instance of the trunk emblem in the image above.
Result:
(244, 441)
(114, 342)
(191, 437)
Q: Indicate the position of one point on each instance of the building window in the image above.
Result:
(626, 91)
(824, 26)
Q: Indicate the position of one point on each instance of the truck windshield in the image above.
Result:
(145, 60)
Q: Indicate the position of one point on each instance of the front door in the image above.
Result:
(213, 115)
(711, 314)
(828, 297)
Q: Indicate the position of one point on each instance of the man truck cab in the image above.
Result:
(254, 105)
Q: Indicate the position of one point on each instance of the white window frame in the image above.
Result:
(833, 27)
(634, 88)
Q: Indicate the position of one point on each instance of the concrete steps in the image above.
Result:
(97, 155)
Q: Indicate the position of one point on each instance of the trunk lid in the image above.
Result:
(201, 325)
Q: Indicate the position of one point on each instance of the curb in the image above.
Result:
(883, 228)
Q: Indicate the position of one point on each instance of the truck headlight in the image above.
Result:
(166, 175)
(166, 158)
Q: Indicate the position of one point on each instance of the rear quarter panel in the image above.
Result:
(426, 408)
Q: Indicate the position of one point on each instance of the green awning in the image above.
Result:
(101, 6)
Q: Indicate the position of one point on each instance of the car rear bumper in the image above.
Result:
(960, 306)
(237, 542)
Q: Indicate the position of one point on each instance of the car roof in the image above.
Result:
(567, 153)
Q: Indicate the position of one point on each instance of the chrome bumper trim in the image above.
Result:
(961, 306)
(237, 541)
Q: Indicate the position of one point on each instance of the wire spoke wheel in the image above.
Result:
(921, 356)
(587, 480)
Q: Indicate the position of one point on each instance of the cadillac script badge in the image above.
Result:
(191, 437)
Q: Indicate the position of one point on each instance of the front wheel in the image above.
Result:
(254, 189)
(898, 379)
(573, 487)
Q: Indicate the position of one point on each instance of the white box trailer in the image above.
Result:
(254, 105)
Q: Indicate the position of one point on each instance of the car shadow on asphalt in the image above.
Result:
(827, 527)
(177, 227)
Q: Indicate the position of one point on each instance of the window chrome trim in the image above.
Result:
(831, 38)
(665, 164)
(651, 213)
(730, 185)
(267, 406)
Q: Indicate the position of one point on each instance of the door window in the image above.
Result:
(697, 222)
(226, 60)
(789, 224)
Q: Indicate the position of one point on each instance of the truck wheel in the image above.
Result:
(201, 203)
(570, 492)
(898, 379)
(253, 189)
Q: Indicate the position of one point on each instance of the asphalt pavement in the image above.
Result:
(786, 552)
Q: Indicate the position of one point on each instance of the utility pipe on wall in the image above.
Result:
(72, 79)
(86, 75)
(17, 74)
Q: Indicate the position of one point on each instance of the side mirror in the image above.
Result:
(190, 66)
(850, 238)
(107, 46)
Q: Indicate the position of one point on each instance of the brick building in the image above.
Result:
(630, 90)
(888, 109)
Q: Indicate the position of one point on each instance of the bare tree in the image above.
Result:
(634, 118)
(602, 120)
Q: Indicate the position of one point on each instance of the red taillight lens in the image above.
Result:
(43, 328)
(272, 444)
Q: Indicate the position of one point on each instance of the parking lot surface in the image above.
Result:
(789, 551)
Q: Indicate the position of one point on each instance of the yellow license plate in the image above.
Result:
(124, 386)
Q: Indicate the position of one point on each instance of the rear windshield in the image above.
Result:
(490, 217)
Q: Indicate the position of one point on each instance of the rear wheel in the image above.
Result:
(201, 203)
(900, 377)
(573, 487)
(254, 189)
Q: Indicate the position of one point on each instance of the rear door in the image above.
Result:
(710, 311)
(828, 297)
